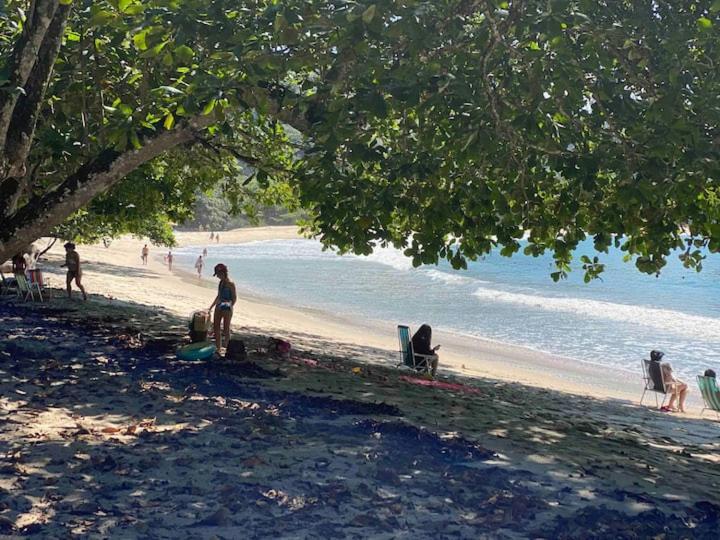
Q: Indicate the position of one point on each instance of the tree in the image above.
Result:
(445, 128)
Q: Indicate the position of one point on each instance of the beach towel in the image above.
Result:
(454, 387)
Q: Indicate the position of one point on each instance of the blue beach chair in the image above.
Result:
(417, 362)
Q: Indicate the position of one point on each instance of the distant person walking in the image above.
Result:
(74, 269)
(217, 238)
(199, 266)
(212, 235)
(169, 260)
(223, 304)
(205, 252)
(145, 253)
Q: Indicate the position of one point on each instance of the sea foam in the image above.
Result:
(671, 320)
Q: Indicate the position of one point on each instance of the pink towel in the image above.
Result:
(455, 387)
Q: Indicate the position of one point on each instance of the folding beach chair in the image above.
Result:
(27, 289)
(654, 382)
(418, 362)
(710, 394)
(6, 285)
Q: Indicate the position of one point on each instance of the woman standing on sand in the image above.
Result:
(199, 263)
(223, 304)
(72, 262)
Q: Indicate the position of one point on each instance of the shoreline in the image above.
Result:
(460, 355)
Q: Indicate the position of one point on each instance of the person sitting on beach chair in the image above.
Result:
(677, 388)
(710, 392)
(425, 355)
(19, 264)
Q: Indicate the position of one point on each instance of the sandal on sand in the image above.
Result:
(665, 408)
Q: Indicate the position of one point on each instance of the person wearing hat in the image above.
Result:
(223, 304)
(72, 262)
(678, 389)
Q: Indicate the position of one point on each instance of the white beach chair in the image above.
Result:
(6, 285)
(26, 289)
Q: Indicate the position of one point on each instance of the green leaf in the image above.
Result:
(124, 4)
(704, 23)
(171, 90)
(134, 140)
(139, 40)
(155, 51)
(126, 110)
(169, 121)
(209, 107)
(101, 18)
(369, 14)
(184, 54)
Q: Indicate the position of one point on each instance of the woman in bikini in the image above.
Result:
(74, 271)
(223, 304)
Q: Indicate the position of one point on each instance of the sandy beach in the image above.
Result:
(105, 432)
(181, 292)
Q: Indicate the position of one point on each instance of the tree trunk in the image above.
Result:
(38, 217)
(20, 66)
(27, 109)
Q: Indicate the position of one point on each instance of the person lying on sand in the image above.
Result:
(72, 262)
(223, 304)
(421, 344)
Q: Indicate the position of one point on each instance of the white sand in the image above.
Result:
(117, 272)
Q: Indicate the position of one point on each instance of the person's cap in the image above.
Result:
(69, 245)
(220, 269)
(656, 355)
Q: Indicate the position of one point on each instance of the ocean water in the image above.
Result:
(614, 322)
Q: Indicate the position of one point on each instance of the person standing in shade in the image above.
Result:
(199, 266)
(224, 303)
(145, 253)
(72, 262)
(19, 264)
(169, 259)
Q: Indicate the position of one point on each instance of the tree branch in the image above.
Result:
(44, 212)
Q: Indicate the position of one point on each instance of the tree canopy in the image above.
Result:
(445, 128)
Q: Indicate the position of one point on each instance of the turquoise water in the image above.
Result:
(613, 322)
